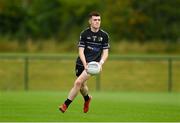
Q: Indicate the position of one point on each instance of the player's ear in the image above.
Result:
(89, 21)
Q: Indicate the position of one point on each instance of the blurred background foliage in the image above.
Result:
(60, 21)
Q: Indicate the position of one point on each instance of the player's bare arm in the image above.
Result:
(104, 56)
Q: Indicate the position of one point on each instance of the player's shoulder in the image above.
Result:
(104, 32)
(85, 31)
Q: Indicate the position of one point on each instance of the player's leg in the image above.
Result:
(87, 98)
(84, 89)
(77, 85)
(74, 91)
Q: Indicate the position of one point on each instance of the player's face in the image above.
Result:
(95, 22)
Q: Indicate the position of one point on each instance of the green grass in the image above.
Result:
(105, 106)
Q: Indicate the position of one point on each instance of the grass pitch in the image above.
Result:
(105, 106)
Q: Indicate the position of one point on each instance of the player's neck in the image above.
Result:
(94, 29)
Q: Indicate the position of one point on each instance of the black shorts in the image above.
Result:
(79, 69)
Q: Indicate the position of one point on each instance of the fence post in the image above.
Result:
(169, 75)
(98, 82)
(26, 77)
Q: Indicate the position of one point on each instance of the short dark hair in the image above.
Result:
(94, 13)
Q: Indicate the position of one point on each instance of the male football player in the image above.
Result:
(93, 46)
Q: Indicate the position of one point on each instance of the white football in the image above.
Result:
(93, 68)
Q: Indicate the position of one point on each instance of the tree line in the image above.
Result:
(142, 20)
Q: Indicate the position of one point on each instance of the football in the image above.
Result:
(93, 68)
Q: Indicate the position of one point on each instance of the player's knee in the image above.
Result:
(78, 84)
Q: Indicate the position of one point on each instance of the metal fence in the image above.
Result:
(27, 57)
